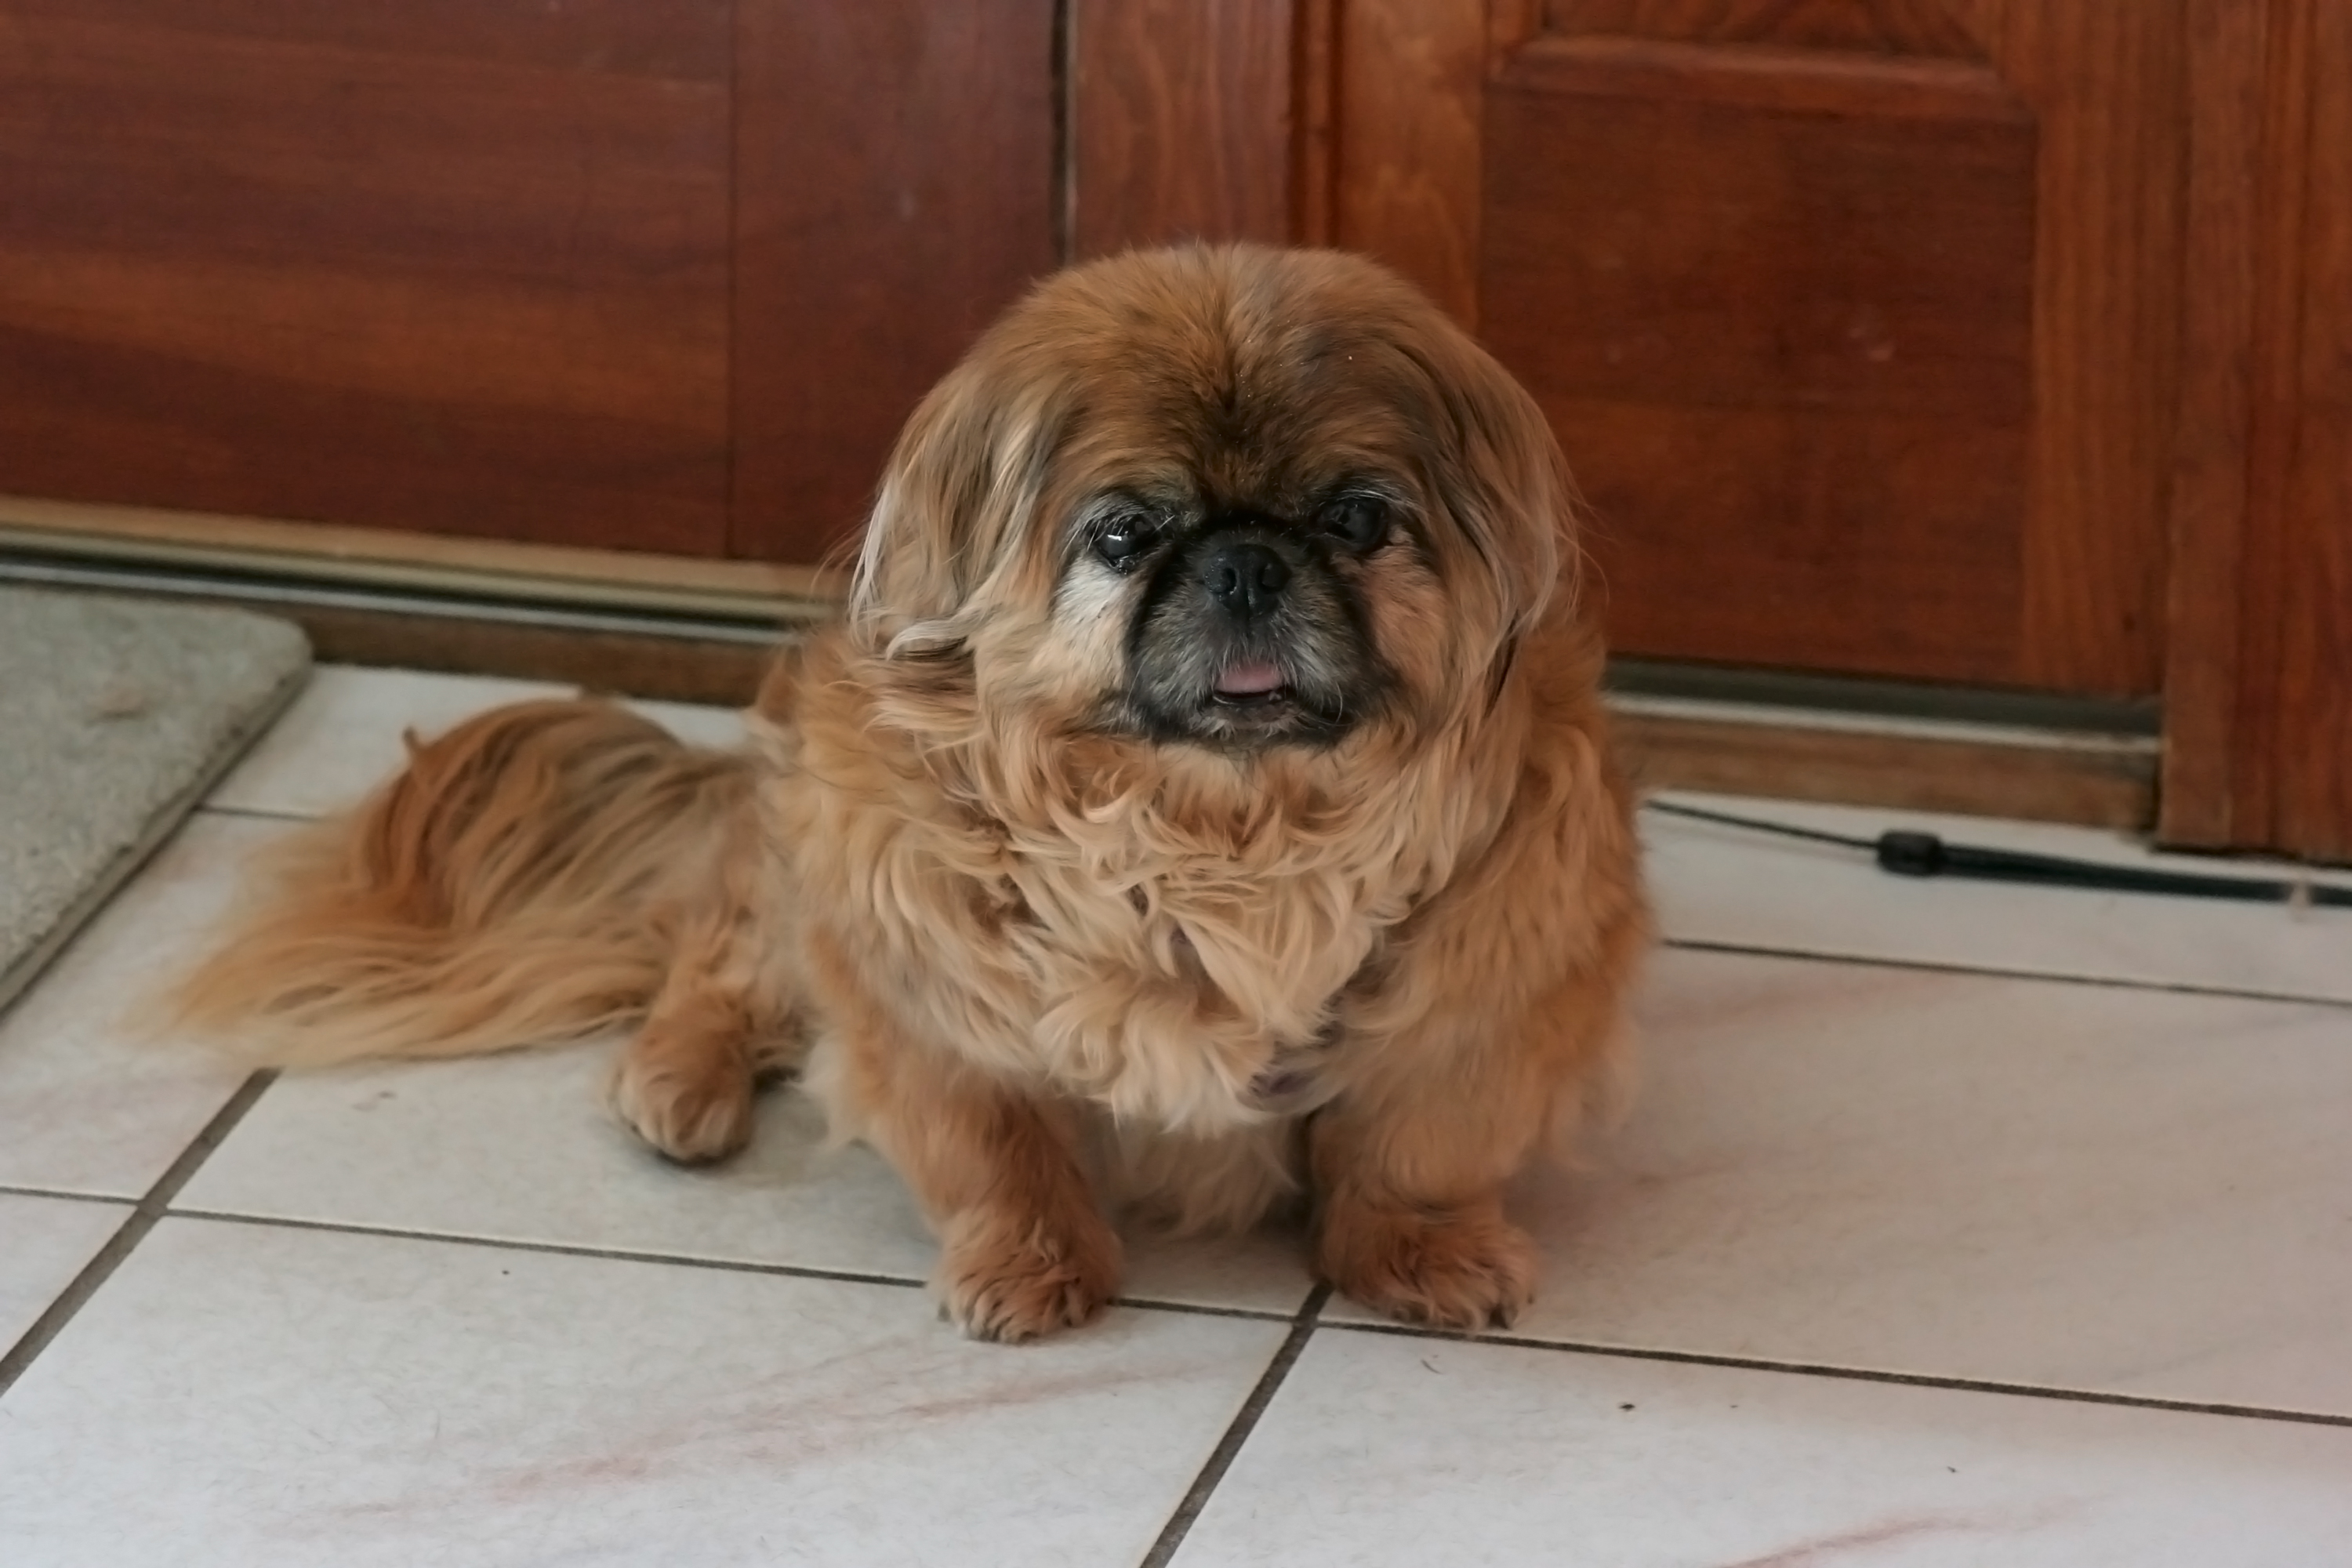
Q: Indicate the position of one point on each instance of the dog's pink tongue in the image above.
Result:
(1249, 680)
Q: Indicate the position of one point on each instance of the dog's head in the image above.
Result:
(1232, 498)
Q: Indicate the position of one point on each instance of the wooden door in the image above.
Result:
(659, 274)
(1996, 342)
(1857, 318)
(454, 266)
(893, 190)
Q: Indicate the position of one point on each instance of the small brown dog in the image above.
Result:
(1204, 801)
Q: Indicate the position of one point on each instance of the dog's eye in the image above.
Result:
(1359, 523)
(1124, 541)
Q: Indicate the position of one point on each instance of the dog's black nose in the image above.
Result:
(1246, 578)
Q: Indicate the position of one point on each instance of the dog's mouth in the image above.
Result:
(1251, 685)
(1265, 693)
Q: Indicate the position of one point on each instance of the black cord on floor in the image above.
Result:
(1910, 854)
(1757, 825)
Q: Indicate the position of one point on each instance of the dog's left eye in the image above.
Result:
(1124, 541)
(1359, 523)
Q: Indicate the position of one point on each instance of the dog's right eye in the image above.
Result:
(1124, 541)
(1359, 523)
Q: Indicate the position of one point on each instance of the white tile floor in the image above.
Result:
(1956, 1224)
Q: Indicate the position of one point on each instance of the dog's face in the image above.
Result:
(1238, 620)
(1232, 499)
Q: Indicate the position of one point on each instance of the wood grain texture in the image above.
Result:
(2095, 786)
(2312, 699)
(2107, 84)
(452, 266)
(1801, 81)
(2258, 731)
(2259, 699)
(1875, 26)
(1823, 294)
(1314, 96)
(2233, 192)
(1786, 342)
(1182, 121)
(1410, 99)
(673, 668)
(895, 178)
(634, 579)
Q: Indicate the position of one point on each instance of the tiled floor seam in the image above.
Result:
(671, 1259)
(127, 1237)
(27, 1190)
(258, 812)
(1302, 1319)
(556, 1248)
(1856, 1374)
(1994, 971)
(1303, 1325)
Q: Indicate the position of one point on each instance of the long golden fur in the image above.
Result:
(1063, 913)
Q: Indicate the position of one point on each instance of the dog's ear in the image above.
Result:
(957, 498)
(1502, 478)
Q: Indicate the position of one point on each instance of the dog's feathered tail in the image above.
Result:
(527, 879)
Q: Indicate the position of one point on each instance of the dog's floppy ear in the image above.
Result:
(956, 500)
(1505, 482)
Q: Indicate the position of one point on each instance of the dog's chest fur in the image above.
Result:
(1170, 963)
(1157, 950)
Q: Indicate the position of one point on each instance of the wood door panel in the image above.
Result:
(1410, 97)
(2108, 87)
(1881, 26)
(1779, 307)
(895, 166)
(2312, 697)
(2258, 696)
(1707, 255)
(1685, 206)
(1759, 518)
(1182, 115)
(660, 39)
(471, 281)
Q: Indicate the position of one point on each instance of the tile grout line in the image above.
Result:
(1248, 1314)
(142, 1219)
(155, 1205)
(1229, 1447)
(1853, 1374)
(1202, 1309)
(624, 1255)
(1305, 1318)
(549, 1249)
(10, 1367)
(260, 813)
(1992, 971)
(19, 1190)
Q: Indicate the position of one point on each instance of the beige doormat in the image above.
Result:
(116, 716)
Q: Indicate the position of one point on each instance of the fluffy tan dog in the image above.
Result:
(1204, 802)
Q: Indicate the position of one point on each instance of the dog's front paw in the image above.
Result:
(1467, 1271)
(1008, 1281)
(691, 1101)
